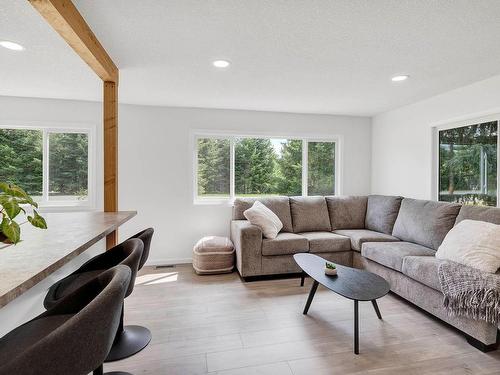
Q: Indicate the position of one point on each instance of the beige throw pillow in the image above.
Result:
(264, 218)
(473, 243)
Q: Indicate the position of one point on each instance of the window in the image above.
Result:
(52, 165)
(21, 154)
(68, 166)
(321, 162)
(468, 157)
(265, 166)
(237, 166)
(213, 168)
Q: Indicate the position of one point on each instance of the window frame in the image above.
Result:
(195, 135)
(459, 124)
(51, 205)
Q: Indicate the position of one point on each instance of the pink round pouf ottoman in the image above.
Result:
(213, 254)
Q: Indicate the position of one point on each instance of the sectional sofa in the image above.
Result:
(391, 236)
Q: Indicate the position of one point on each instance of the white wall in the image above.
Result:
(156, 169)
(402, 151)
(155, 160)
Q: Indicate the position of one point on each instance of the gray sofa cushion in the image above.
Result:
(381, 213)
(425, 222)
(347, 212)
(285, 243)
(481, 213)
(325, 242)
(423, 269)
(359, 236)
(391, 254)
(309, 214)
(279, 205)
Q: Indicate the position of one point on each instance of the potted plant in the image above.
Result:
(13, 201)
(330, 269)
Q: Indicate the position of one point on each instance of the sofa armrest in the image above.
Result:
(247, 240)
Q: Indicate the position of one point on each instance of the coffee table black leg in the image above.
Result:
(302, 278)
(311, 296)
(375, 306)
(356, 328)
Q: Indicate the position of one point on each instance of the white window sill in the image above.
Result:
(67, 207)
(213, 202)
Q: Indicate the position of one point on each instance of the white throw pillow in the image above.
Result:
(473, 243)
(264, 218)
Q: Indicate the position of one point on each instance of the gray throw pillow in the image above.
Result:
(279, 205)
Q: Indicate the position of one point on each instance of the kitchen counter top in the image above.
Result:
(41, 252)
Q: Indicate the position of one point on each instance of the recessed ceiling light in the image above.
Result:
(221, 63)
(11, 45)
(400, 78)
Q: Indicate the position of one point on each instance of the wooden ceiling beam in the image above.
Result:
(63, 16)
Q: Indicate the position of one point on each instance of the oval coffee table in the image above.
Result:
(350, 283)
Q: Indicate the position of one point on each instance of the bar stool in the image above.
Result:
(128, 253)
(145, 236)
(74, 336)
(131, 339)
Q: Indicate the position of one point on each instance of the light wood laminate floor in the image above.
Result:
(221, 325)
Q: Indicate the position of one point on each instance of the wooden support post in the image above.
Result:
(64, 17)
(110, 112)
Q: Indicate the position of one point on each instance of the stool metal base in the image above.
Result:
(131, 340)
(99, 371)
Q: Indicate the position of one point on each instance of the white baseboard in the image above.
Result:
(168, 261)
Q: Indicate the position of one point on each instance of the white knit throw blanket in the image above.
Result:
(470, 292)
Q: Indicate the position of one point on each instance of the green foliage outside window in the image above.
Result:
(290, 168)
(21, 162)
(68, 164)
(21, 159)
(468, 164)
(263, 166)
(213, 167)
(260, 169)
(321, 170)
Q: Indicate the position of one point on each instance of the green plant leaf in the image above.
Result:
(10, 206)
(30, 202)
(37, 221)
(11, 230)
(15, 191)
(4, 186)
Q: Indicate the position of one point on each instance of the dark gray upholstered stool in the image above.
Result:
(131, 339)
(129, 253)
(145, 236)
(74, 336)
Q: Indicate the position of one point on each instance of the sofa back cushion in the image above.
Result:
(279, 205)
(381, 213)
(309, 214)
(480, 213)
(347, 212)
(425, 222)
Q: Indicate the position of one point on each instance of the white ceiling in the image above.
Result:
(317, 56)
(48, 67)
